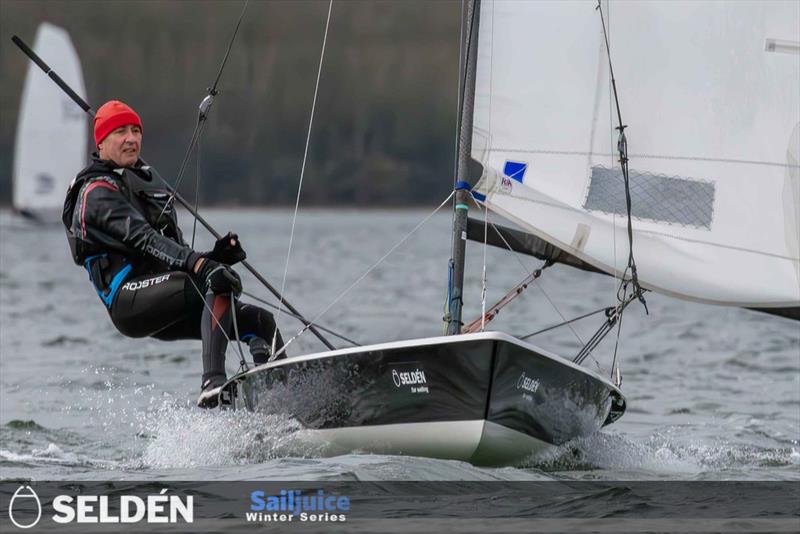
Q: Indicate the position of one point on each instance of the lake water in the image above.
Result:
(713, 393)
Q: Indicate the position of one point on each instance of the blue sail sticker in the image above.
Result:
(515, 170)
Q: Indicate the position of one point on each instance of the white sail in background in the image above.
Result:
(713, 115)
(51, 143)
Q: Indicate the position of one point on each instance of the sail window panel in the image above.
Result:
(656, 197)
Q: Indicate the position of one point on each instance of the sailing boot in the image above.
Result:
(210, 391)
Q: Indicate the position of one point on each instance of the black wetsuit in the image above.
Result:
(121, 228)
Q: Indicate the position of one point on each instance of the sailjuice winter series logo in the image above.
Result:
(294, 505)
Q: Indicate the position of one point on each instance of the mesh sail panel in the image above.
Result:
(656, 197)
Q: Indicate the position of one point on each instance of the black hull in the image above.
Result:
(521, 398)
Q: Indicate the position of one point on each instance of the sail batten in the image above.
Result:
(713, 121)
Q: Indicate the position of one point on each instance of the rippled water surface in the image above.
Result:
(713, 393)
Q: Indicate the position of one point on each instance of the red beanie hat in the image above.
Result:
(111, 116)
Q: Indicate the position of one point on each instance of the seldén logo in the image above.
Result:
(527, 383)
(408, 378)
(22, 497)
(158, 508)
(289, 505)
(415, 380)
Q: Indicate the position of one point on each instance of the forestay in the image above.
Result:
(712, 106)
(51, 142)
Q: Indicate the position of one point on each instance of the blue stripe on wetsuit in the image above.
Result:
(116, 282)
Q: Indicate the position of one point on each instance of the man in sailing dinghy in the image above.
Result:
(121, 226)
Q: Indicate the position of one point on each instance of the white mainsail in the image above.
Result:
(712, 105)
(51, 142)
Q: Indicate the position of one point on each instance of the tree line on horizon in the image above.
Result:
(384, 127)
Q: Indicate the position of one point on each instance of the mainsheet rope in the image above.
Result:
(622, 148)
(622, 290)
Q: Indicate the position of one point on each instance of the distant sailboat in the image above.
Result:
(51, 141)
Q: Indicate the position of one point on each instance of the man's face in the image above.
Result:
(122, 146)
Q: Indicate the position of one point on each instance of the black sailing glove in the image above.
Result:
(228, 250)
(218, 278)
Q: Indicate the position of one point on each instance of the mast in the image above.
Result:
(463, 178)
